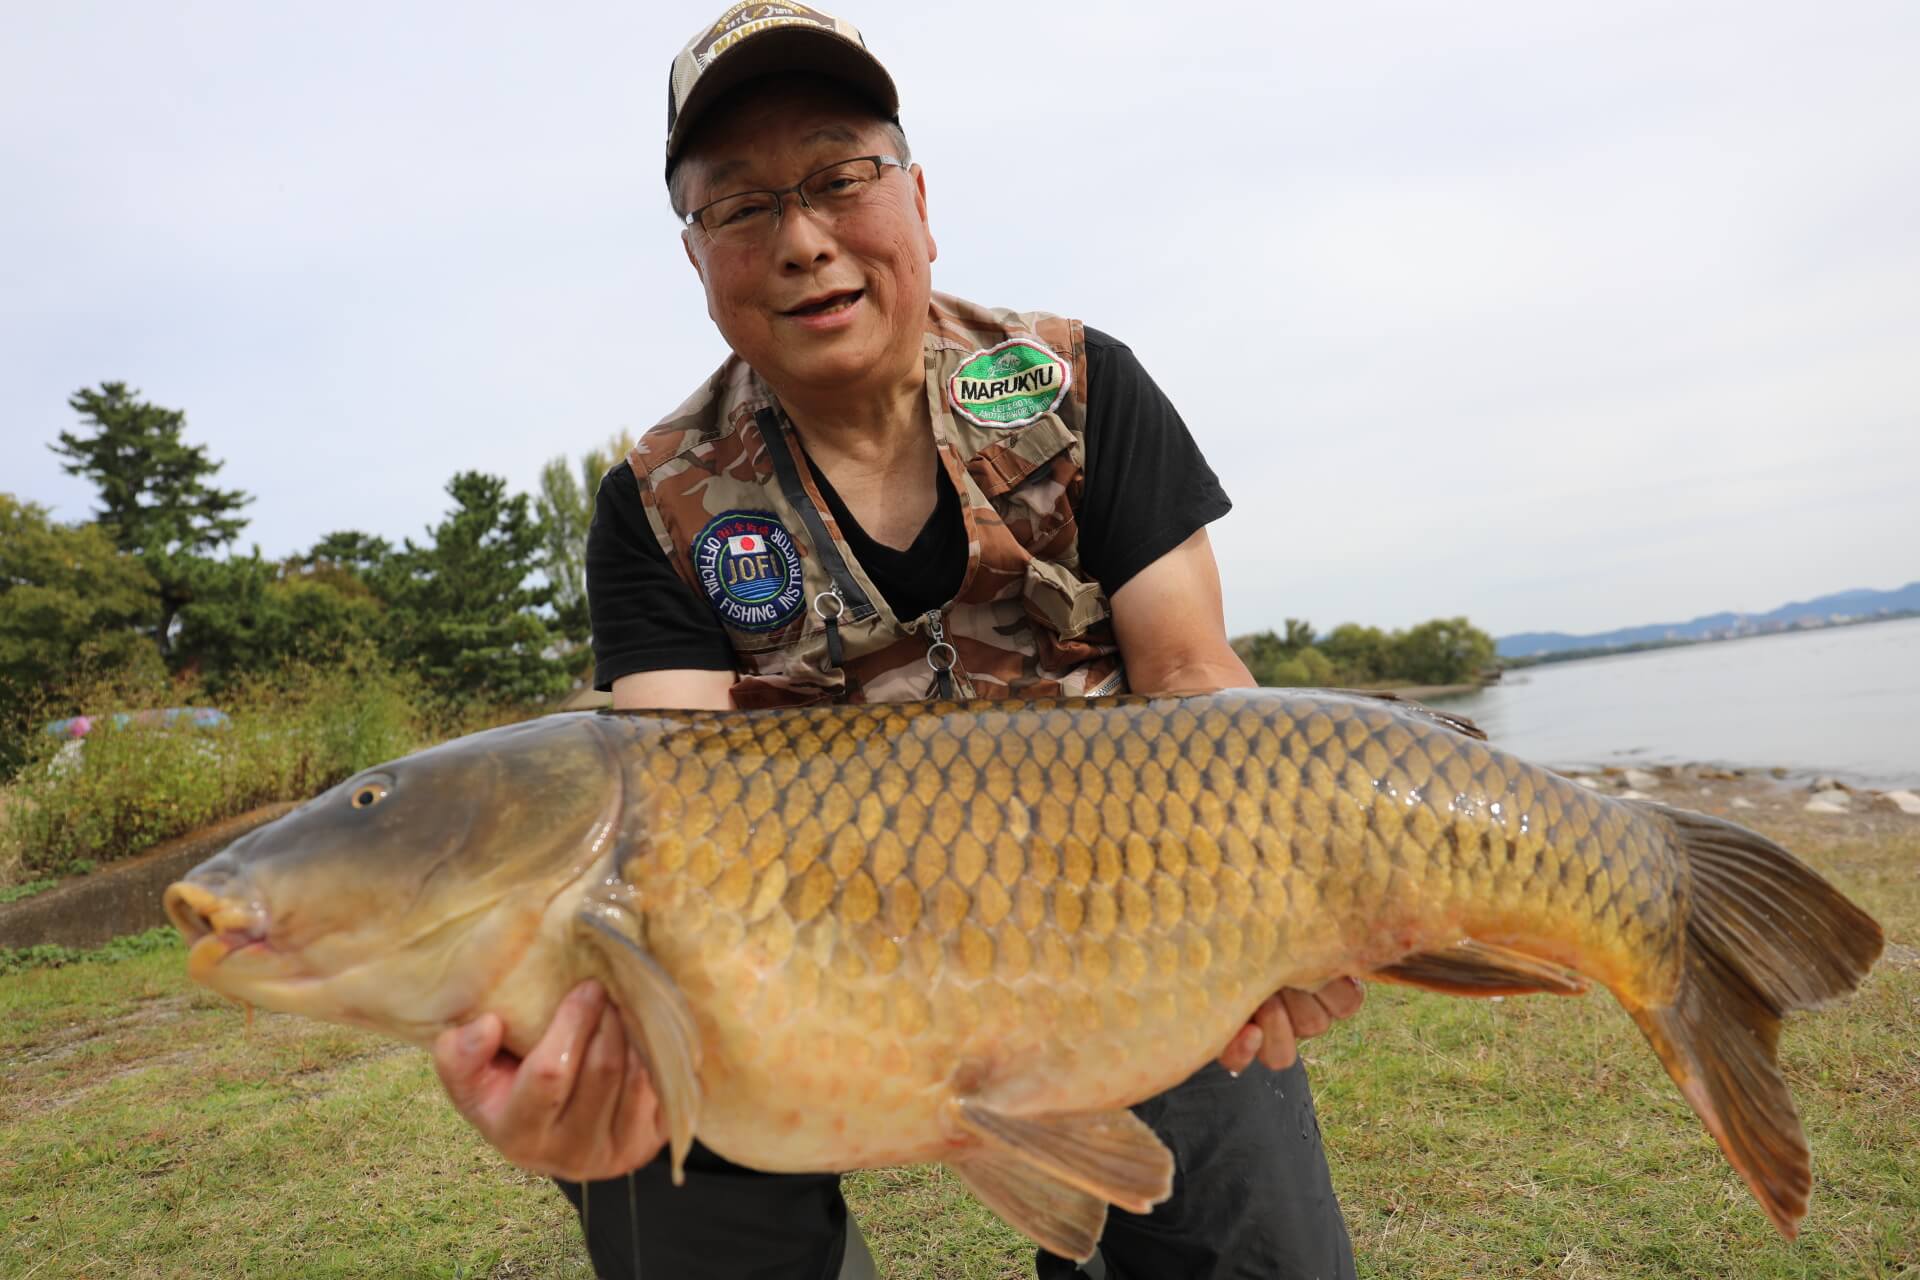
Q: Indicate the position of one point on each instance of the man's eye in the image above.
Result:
(734, 215)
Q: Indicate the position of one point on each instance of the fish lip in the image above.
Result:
(201, 914)
(821, 299)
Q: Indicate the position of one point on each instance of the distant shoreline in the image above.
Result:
(1558, 656)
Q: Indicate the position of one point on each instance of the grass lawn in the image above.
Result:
(145, 1133)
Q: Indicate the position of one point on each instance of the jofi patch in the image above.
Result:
(748, 566)
(1008, 385)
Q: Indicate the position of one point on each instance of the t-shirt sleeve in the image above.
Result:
(645, 616)
(1147, 487)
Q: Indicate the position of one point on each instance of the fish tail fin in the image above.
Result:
(1765, 935)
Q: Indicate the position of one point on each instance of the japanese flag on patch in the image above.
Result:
(746, 544)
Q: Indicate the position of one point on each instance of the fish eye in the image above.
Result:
(368, 794)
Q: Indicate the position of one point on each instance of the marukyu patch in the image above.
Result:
(747, 564)
(1008, 385)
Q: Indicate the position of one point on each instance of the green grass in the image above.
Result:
(145, 1133)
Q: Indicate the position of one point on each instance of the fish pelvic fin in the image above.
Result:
(1059, 1218)
(1052, 1175)
(1765, 935)
(656, 1018)
(1471, 968)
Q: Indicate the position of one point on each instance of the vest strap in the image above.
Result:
(859, 607)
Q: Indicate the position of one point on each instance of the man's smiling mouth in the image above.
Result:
(832, 302)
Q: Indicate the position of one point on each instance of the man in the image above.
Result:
(888, 493)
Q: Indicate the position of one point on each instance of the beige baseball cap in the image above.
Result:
(753, 40)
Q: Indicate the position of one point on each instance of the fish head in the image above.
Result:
(401, 898)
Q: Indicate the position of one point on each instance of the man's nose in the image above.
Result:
(802, 239)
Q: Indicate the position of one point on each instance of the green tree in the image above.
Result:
(1443, 651)
(156, 499)
(1361, 655)
(565, 509)
(463, 611)
(70, 602)
(250, 616)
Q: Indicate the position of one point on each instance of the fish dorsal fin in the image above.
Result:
(656, 1018)
(1110, 1154)
(1470, 968)
(1445, 719)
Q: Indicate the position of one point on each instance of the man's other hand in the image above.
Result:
(1287, 1017)
(580, 1106)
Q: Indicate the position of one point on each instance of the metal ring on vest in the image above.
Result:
(839, 606)
(952, 656)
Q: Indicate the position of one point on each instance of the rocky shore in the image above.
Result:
(1770, 798)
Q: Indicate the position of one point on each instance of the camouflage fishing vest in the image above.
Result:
(736, 507)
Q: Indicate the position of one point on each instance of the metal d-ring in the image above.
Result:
(952, 657)
(839, 605)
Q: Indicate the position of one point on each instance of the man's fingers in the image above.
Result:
(1309, 1017)
(1240, 1050)
(546, 1079)
(463, 1059)
(1341, 997)
(1277, 1047)
(596, 1092)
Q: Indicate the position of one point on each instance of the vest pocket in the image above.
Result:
(1061, 602)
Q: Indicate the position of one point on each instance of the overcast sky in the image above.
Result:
(1562, 316)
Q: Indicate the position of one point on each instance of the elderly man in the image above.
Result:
(889, 493)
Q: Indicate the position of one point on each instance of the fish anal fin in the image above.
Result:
(656, 1017)
(1059, 1218)
(1108, 1154)
(1471, 968)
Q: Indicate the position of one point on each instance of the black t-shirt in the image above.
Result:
(1146, 490)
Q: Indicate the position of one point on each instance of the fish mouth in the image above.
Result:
(216, 925)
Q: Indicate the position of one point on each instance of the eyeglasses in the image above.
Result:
(748, 217)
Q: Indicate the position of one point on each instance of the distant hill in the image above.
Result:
(1841, 607)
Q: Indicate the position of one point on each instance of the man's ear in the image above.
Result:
(920, 204)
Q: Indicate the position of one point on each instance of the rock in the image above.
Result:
(1778, 771)
(1591, 783)
(1828, 784)
(1641, 780)
(1741, 802)
(1904, 801)
(1840, 799)
(1634, 795)
(1820, 803)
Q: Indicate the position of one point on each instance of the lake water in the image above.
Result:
(1843, 700)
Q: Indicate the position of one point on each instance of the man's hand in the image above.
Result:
(1287, 1017)
(580, 1106)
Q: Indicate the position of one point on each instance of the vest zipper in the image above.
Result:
(941, 656)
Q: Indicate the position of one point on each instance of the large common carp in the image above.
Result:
(868, 935)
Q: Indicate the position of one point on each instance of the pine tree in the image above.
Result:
(461, 612)
(155, 497)
(154, 490)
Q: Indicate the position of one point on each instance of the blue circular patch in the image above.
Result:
(748, 566)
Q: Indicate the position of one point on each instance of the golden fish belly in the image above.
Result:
(873, 911)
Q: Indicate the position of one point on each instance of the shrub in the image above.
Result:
(289, 736)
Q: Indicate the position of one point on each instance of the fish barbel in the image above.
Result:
(867, 935)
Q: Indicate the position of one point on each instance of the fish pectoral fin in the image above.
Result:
(656, 1018)
(1470, 968)
(1059, 1218)
(1108, 1154)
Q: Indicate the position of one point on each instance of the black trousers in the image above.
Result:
(1251, 1200)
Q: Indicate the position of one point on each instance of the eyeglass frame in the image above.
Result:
(780, 195)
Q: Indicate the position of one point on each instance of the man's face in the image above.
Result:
(819, 305)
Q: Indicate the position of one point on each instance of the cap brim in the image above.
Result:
(782, 50)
